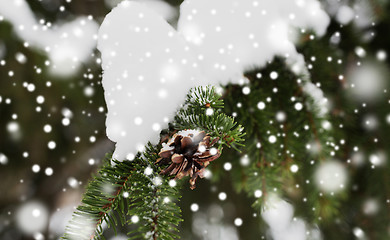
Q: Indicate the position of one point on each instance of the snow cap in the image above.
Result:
(149, 66)
(147, 71)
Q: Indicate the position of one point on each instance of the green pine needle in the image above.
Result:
(129, 193)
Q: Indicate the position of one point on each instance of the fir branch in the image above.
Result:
(153, 203)
(203, 110)
(98, 201)
(124, 189)
(269, 166)
(204, 97)
(133, 192)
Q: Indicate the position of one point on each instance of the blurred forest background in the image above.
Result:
(52, 122)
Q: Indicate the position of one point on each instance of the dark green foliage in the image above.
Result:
(368, 182)
(217, 124)
(152, 200)
(122, 189)
(132, 192)
(268, 169)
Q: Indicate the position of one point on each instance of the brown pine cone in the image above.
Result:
(188, 152)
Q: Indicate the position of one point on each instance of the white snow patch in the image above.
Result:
(279, 216)
(3, 159)
(186, 133)
(209, 225)
(149, 66)
(345, 14)
(119, 237)
(318, 96)
(59, 219)
(132, 80)
(371, 206)
(331, 176)
(378, 158)
(359, 233)
(165, 10)
(367, 81)
(361, 13)
(32, 217)
(67, 45)
(234, 36)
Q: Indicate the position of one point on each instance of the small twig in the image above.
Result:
(109, 205)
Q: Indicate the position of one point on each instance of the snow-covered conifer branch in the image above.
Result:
(134, 191)
(123, 190)
(203, 110)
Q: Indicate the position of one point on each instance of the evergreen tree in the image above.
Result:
(279, 166)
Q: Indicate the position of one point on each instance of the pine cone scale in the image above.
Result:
(177, 158)
(168, 169)
(186, 142)
(208, 158)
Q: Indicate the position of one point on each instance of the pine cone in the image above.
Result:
(188, 153)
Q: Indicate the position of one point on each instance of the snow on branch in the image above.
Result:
(149, 66)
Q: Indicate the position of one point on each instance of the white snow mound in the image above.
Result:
(147, 71)
(149, 66)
